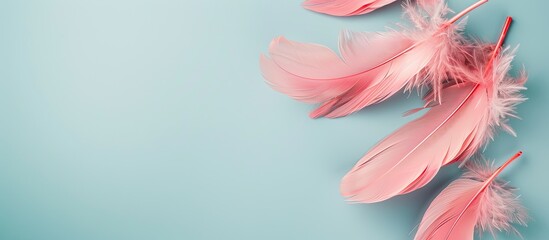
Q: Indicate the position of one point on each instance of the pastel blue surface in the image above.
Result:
(150, 120)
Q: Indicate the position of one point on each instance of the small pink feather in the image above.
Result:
(354, 7)
(372, 67)
(476, 199)
(450, 131)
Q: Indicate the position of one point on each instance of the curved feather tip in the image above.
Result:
(357, 7)
(476, 200)
(345, 7)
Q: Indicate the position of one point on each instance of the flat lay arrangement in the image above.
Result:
(270, 120)
(469, 95)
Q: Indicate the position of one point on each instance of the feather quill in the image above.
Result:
(354, 7)
(372, 67)
(477, 199)
(451, 131)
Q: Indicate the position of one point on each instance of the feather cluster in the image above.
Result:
(476, 200)
(471, 95)
(451, 131)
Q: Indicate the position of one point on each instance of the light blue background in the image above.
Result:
(150, 120)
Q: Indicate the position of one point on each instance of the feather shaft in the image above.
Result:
(467, 10)
(499, 44)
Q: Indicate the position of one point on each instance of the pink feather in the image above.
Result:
(354, 7)
(345, 7)
(372, 67)
(476, 199)
(450, 131)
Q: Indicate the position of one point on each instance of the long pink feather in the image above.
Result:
(354, 7)
(476, 199)
(455, 129)
(372, 67)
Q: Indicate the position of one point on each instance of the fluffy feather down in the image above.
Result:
(502, 89)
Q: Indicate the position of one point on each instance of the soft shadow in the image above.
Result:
(409, 208)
